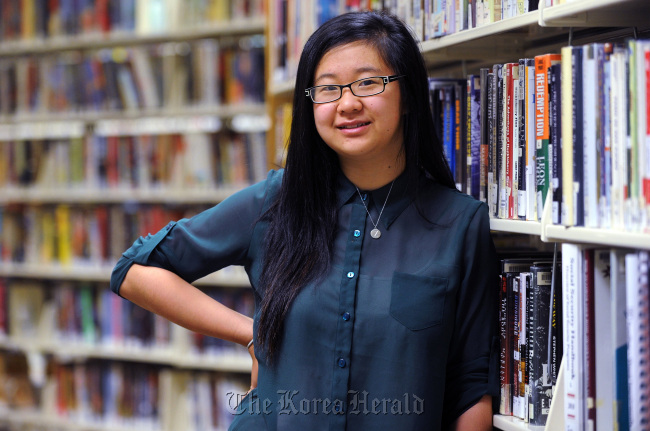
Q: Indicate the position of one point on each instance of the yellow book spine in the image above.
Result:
(48, 238)
(28, 19)
(64, 245)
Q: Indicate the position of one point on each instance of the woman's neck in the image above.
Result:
(371, 176)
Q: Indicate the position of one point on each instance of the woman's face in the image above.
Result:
(359, 129)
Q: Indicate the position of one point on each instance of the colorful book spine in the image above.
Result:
(542, 172)
(522, 185)
(474, 134)
(484, 152)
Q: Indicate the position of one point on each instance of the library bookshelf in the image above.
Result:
(456, 55)
(167, 95)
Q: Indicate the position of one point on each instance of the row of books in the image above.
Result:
(90, 315)
(115, 392)
(79, 235)
(36, 19)
(172, 74)
(99, 393)
(530, 325)
(197, 161)
(606, 305)
(295, 21)
(572, 125)
(588, 308)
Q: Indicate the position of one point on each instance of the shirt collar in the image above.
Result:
(400, 197)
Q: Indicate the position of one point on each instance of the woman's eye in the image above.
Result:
(367, 82)
(328, 88)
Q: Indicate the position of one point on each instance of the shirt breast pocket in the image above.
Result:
(418, 302)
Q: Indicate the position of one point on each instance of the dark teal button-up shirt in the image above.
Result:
(400, 334)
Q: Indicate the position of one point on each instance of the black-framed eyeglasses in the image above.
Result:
(363, 87)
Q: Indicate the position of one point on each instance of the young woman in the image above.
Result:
(375, 280)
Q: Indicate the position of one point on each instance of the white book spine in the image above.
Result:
(603, 331)
(643, 130)
(638, 332)
(573, 328)
(618, 139)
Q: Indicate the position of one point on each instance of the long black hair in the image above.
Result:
(302, 219)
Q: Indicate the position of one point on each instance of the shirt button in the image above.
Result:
(357, 233)
(337, 408)
(341, 363)
(350, 274)
(364, 196)
(346, 316)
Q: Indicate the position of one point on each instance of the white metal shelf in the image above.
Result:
(43, 195)
(510, 423)
(33, 417)
(232, 28)
(70, 351)
(607, 237)
(493, 40)
(596, 13)
(516, 226)
(555, 233)
(181, 113)
(229, 277)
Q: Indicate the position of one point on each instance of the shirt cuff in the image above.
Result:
(468, 383)
(138, 253)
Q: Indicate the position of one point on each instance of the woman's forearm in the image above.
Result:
(477, 418)
(171, 297)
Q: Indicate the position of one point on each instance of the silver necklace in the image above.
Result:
(375, 233)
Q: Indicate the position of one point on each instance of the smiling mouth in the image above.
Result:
(354, 126)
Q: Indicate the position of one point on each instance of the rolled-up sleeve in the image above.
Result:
(195, 247)
(472, 368)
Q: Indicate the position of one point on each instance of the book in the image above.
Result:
(513, 203)
(619, 339)
(25, 304)
(569, 127)
(573, 333)
(473, 170)
(590, 112)
(577, 141)
(495, 125)
(484, 151)
(555, 137)
(542, 160)
(638, 335)
(603, 133)
(445, 96)
(618, 146)
(506, 207)
(522, 162)
(540, 375)
(522, 348)
(589, 358)
(604, 350)
(506, 349)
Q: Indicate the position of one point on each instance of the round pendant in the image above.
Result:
(375, 233)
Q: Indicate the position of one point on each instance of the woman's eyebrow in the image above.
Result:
(359, 71)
